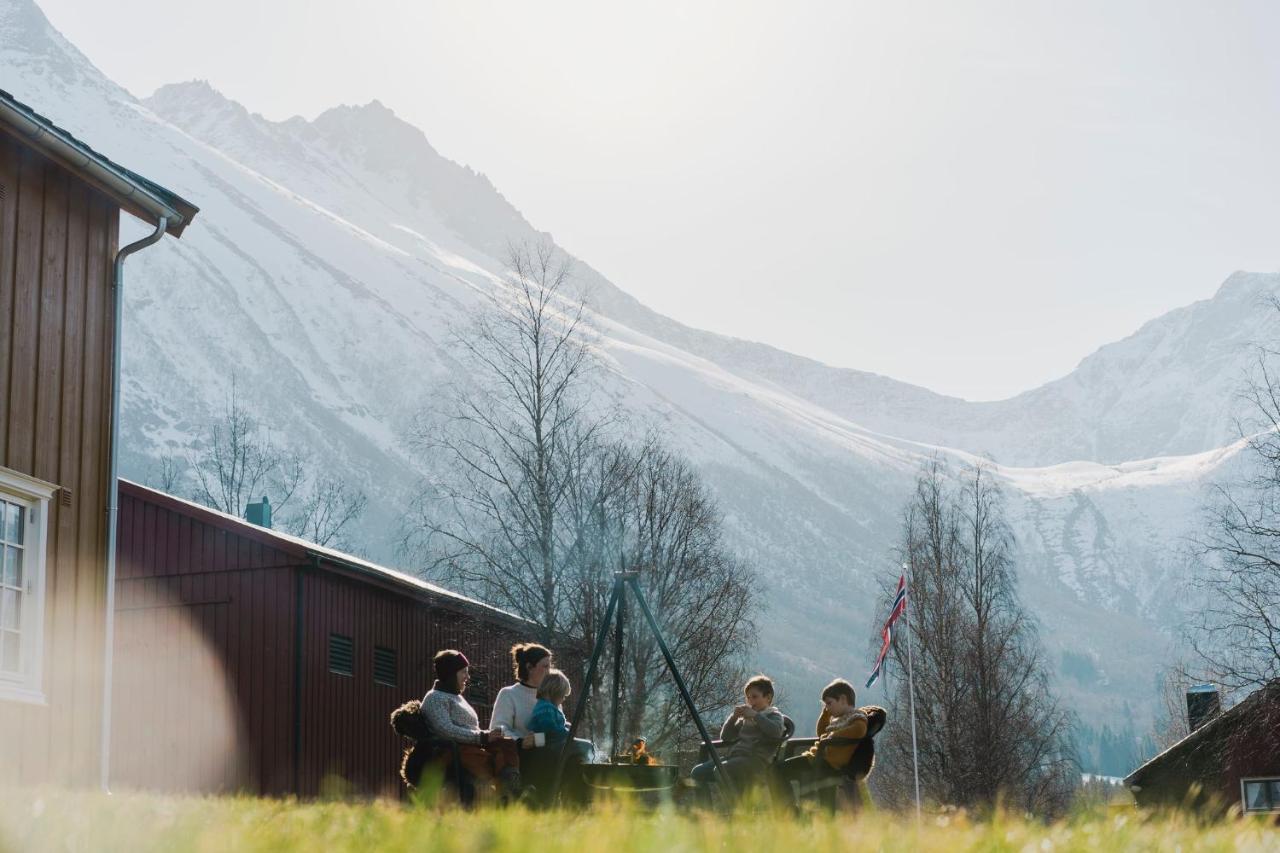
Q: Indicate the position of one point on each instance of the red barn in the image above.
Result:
(248, 659)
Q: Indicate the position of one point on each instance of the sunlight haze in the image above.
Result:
(970, 197)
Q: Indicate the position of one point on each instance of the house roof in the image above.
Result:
(1208, 731)
(325, 557)
(139, 196)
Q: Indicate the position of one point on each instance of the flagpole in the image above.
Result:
(911, 691)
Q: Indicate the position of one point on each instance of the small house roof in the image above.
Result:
(1208, 732)
(325, 557)
(141, 197)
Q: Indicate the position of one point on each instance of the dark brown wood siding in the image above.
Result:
(57, 240)
(346, 736)
(206, 672)
(193, 665)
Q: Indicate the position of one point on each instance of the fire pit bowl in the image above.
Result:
(631, 777)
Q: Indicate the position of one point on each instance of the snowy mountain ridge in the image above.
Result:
(332, 257)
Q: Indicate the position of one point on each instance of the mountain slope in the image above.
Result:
(332, 256)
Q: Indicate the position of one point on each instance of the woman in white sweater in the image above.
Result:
(514, 703)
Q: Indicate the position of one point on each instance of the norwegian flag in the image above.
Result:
(899, 605)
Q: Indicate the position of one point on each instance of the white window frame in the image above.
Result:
(36, 496)
(1244, 803)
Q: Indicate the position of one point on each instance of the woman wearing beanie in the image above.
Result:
(484, 754)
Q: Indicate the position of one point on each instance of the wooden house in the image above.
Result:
(60, 204)
(1230, 759)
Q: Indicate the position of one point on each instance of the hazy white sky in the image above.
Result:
(970, 196)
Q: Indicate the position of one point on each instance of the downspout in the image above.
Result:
(113, 498)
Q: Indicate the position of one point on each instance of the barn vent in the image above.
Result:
(342, 656)
(384, 666)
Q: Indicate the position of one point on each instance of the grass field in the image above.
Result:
(55, 820)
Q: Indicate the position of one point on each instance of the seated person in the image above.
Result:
(752, 734)
(548, 717)
(484, 754)
(514, 703)
(839, 729)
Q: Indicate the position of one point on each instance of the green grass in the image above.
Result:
(71, 821)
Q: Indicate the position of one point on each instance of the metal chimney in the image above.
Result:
(259, 513)
(1202, 704)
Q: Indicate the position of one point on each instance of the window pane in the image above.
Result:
(11, 575)
(1275, 793)
(1255, 795)
(10, 646)
(10, 609)
(12, 522)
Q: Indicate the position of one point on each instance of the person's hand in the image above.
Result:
(529, 741)
(747, 711)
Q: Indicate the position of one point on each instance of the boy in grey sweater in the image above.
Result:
(752, 733)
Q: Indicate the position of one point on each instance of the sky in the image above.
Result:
(968, 196)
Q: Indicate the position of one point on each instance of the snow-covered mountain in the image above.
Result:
(331, 256)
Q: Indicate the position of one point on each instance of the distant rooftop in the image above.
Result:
(302, 547)
(139, 196)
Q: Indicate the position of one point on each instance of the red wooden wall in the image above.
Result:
(206, 674)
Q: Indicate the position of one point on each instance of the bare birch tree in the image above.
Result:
(988, 727)
(1236, 631)
(492, 522)
(535, 504)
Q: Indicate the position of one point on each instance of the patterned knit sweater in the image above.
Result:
(450, 716)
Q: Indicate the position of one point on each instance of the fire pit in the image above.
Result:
(641, 772)
(631, 777)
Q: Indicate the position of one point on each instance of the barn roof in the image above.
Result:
(305, 550)
(1208, 733)
(141, 197)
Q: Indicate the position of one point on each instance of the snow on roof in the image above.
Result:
(331, 554)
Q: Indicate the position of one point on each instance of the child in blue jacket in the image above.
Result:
(548, 714)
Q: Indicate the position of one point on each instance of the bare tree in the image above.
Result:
(666, 526)
(167, 475)
(327, 508)
(1236, 632)
(239, 460)
(989, 729)
(535, 504)
(493, 522)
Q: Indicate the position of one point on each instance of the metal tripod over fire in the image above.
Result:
(618, 605)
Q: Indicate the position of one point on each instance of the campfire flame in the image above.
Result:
(639, 753)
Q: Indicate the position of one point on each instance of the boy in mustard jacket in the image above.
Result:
(839, 730)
